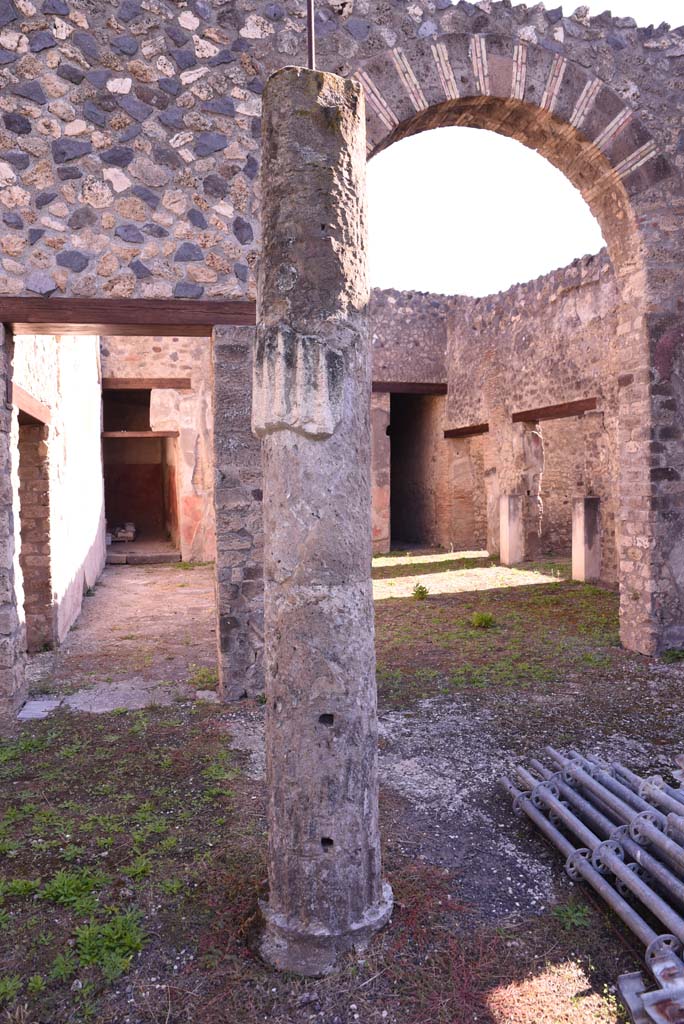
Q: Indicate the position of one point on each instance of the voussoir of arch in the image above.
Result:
(536, 95)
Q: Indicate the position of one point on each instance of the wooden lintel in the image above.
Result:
(129, 317)
(405, 388)
(30, 407)
(123, 434)
(146, 383)
(478, 428)
(556, 412)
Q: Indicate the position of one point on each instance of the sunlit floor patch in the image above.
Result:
(566, 986)
(456, 573)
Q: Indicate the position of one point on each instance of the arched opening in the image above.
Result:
(491, 407)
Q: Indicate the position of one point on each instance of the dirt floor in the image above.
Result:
(146, 635)
(132, 842)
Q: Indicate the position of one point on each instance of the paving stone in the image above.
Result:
(34, 710)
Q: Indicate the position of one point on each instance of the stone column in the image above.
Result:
(12, 636)
(311, 405)
(380, 473)
(512, 526)
(586, 539)
(238, 509)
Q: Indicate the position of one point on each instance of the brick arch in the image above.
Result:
(541, 97)
(537, 96)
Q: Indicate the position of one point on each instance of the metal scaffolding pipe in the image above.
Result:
(606, 853)
(640, 825)
(583, 867)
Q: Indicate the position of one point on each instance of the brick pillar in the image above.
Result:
(34, 556)
(12, 641)
(380, 473)
(238, 507)
(586, 539)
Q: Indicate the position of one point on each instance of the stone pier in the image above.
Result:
(512, 526)
(586, 539)
(311, 405)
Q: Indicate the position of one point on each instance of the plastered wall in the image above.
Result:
(64, 374)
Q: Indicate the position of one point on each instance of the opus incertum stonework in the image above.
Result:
(129, 169)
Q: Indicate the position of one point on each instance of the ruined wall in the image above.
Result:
(189, 412)
(548, 342)
(409, 335)
(562, 480)
(64, 374)
(129, 141)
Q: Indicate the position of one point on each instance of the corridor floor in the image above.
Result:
(146, 635)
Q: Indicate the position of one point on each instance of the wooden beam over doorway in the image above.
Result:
(556, 412)
(129, 317)
(478, 428)
(408, 388)
(146, 384)
(124, 435)
(30, 409)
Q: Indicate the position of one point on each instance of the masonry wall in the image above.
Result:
(409, 334)
(191, 413)
(548, 342)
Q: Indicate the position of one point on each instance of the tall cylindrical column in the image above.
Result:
(312, 383)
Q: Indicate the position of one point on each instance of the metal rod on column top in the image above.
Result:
(311, 32)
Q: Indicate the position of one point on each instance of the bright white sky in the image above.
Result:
(464, 211)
